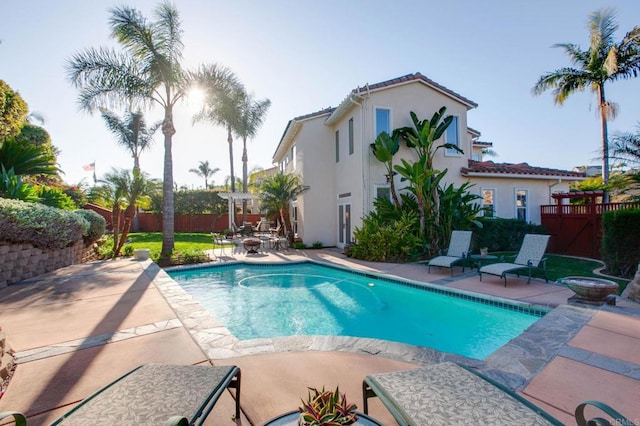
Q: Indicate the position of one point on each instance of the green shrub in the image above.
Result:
(299, 245)
(97, 225)
(620, 247)
(503, 234)
(184, 257)
(54, 197)
(39, 225)
(104, 248)
(317, 245)
(387, 242)
(128, 250)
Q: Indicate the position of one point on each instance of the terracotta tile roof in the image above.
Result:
(413, 77)
(489, 167)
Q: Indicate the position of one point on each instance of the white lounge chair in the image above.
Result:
(457, 251)
(531, 255)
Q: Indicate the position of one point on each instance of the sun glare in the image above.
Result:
(195, 99)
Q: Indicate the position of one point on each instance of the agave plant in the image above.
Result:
(327, 408)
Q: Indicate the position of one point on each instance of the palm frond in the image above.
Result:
(105, 76)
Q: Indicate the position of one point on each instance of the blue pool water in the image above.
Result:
(256, 301)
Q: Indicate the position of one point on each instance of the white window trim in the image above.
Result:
(375, 118)
(495, 197)
(351, 138)
(448, 153)
(515, 204)
(375, 188)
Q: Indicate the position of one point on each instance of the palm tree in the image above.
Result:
(131, 132)
(603, 62)
(28, 159)
(251, 114)
(125, 191)
(223, 93)
(276, 194)
(205, 171)
(626, 146)
(147, 71)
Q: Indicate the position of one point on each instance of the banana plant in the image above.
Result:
(423, 183)
(423, 135)
(384, 148)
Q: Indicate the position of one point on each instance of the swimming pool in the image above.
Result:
(262, 301)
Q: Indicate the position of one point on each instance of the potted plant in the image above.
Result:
(323, 408)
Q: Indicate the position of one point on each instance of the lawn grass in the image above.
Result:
(566, 266)
(183, 241)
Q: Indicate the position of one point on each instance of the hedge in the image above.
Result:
(503, 234)
(39, 225)
(97, 225)
(621, 242)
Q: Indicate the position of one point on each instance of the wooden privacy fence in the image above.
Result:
(152, 222)
(576, 229)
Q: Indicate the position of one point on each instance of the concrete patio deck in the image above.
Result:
(78, 328)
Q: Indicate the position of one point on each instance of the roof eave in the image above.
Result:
(347, 103)
(290, 133)
(521, 176)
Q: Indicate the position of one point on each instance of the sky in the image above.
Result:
(308, 55)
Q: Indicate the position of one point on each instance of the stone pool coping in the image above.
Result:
(514, 365)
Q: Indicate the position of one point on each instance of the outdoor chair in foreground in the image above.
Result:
(530, 256)
(154, 394)
(456, 253)
(449, 394)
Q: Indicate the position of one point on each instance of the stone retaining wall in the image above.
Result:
(6, 360)
(21, 261)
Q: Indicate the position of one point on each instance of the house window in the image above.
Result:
(350, 136)
(521, 204)
(488, 202)
(293, 156)
(337, 146)
(383, 121)
(294, 219)
(383, 191)
(452, 136)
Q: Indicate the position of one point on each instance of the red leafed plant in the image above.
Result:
(326, 408)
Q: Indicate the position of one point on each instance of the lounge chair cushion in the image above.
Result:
(450, 394)
(457, 251)
(444, 261)
(153, 394)
(500, 268)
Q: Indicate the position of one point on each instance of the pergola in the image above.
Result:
(232, 197)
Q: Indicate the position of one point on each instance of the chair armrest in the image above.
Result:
(19, 418)
(177, 421)
(618, 418)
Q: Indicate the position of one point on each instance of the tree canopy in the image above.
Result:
(13, 111)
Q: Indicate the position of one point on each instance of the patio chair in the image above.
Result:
(457, 251)
(449, 393)
(155, 394)
(530, 256)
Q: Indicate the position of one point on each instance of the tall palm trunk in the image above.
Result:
(605, 141)
(167, 186)
(244, 177)
(115, 223)
(129, 214)
(231, 171)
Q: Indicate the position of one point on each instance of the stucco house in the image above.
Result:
(330, 150)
